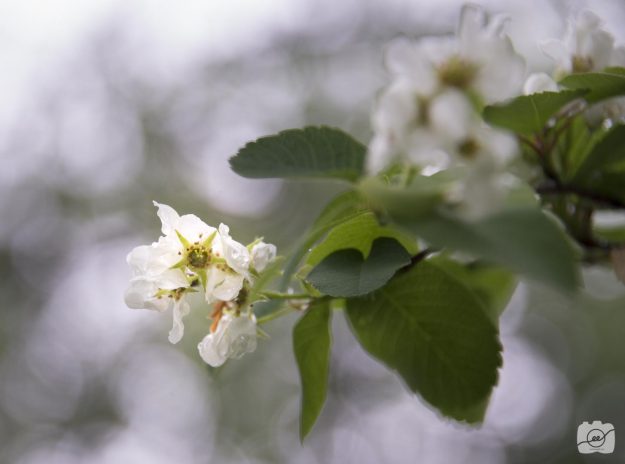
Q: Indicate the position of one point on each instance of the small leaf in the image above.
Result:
(603, 169)
(435, 333)
(357, 233)
(346, 273)
(528, 114)
(601, 85)
(320, 152)
(311, 345)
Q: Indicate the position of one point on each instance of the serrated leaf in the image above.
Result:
(357, 233)
(434, 332)
(600, 85)
(528, 114)
(524, 240)
(317, 152)
(311, 346)
(493, 285)
(346, 273)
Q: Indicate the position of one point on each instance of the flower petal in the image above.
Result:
(169, 218)
(181, 309)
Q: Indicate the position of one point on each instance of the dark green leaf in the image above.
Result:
(434, 332)
(311, 345)
(524, 240)
(310, 152)
(346, 273)
(603, 170)
(601, 85)
(528, 114)
(492, 284)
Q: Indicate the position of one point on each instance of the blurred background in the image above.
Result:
(108, 105)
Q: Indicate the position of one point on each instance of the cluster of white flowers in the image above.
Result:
(429, 115)
(585, 47)
(192, 255)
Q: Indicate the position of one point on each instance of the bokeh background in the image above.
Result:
(108, 105)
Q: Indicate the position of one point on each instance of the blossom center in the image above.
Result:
(468, 148)
(198, 256)
(457, 72)
(581, 63)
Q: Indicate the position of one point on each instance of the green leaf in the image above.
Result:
(524, 240)
(421, 196)
(603, 170)
(492, 284)
(342, 208)
(311, 345)
(320, 152)
(431, 329)
(601, 85)
(574, 146)
(358, 233)
(347, 273)
(528, 114)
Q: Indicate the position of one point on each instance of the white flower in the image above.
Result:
(233, 337)
(262, 254)
(407, 121)
(586, 46)
(189, 253)
(539, 82)
(480, 58)
(155, 285)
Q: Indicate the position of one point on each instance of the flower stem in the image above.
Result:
(274, 315)
(287, 296)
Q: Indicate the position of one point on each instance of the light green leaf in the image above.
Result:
(347, 273)
(524, 240)
(431, 329)
(528, 114)
(342, 208)
(311, 345)
(601, 85)
(318, 152)
(358, 233)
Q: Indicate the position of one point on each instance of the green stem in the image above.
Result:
(286, 296)
(276, 314)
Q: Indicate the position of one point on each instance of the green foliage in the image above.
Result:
(524, 240)
(493, 285)
(318, 152)
(600, 85)
(429, 327)
(574, 146)
(311, 345)
(420, 196)
(357, 233)
(528, 114)
(346, 273)
(603, 169)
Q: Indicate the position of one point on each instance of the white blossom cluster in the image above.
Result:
(585, 47)
(429, 114)
(428, 117)
(189, 256)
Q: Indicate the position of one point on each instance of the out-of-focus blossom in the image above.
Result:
(539, 82)
(586, 46)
